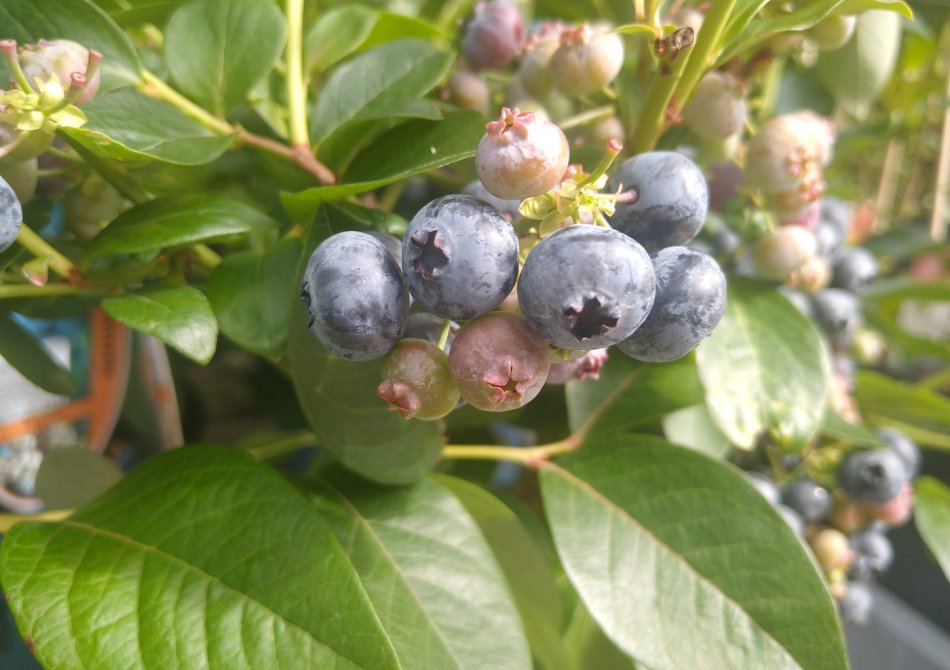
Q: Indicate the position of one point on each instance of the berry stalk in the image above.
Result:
(42, 249)
(296, 80)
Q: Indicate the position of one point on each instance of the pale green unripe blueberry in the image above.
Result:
(718, 108)
(779, 254)
(587, 60)
(60, 59)
(833, 31)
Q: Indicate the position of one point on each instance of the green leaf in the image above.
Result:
(429, 574)
(339, 398)
(589, 647)
(72, 477)
(932, 516)
(923, 414)
(409, 149)
(217, 50)
(200, 557)
(181, 317)
(390, 26)
(649, 535)
(177, 221)
(764, 368)
(373, 84)
(637, 30)
(856, 73)
(252, 294)
(128, 126)
(28, 21)
(31, 359)
(336, 34)
(524, 565)
(693, 427)
(758, 31)
(138, 12)
(632, 396)
(835, 427)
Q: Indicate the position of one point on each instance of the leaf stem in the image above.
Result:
(444, 335)
(7, 521)
(531, 457)
(42, 249)
(296, 81)
(206, 256)
(156, 88)
(282, 447)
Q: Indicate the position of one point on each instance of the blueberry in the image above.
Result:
(416, 382)
(832, 549)
(792, 518)
(586, 287)
(355, 296)
(807, 498)
(873, 476)
(587, 59)
(671, 199)
(460, 257)
(498, 363)
(854, 268)
(718, 108)
(428, 326)
(60, 59)
(493, 35)
(833, 223)
(11, 215)
(874, 553)
(838, 314)
(509, 208)
(801, 301)
(690, 301)
(764, 485)
(392, 243)
(855, 607)
(905, 448)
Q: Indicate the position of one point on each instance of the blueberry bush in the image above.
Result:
(584, 335)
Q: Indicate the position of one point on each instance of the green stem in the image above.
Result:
(13, 62)
(158, 89)
(704, 52)
(652, 121)
(588, 116)
(282, 447)
(205, 255)
(444, 335)
(296, 81)
(31, 291)
(531, 457)
(41, 249)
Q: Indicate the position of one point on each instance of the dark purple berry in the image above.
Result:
(856, 604)
(765, 486)
(906, 449)
(838, 314)
(355, 296)
(498, 363)
(853, 268)
(586, 287)
(690, 301)
(416, 381)
(810, 500)
(460, 257)
(671, 199)
(873, 552)
(873, 476)
(493, 35)
(11, 215)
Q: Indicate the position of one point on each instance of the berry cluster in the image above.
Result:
(585, 276)
(845, 519)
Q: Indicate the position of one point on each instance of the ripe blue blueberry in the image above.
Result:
(460, 257)
(509, 208)
(586, 287)
(690, 301)
(671, 199)
(906, 449)
(355, 296)
(11, 215)
(792, 518)
(834, 220)
(853, 268)
(838, 314)
(873, 552)
(855, 606)
(764, 485)
(873, 476)
(810, 500)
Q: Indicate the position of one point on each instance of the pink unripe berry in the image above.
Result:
(493, 35)
(896, 511)
(520, 155)
(62, 59)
